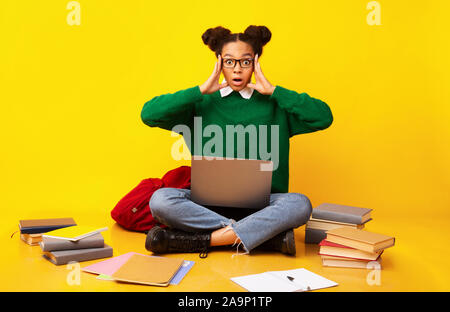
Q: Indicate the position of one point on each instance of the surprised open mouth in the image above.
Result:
(237, 81)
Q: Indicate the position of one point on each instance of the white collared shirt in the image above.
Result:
(246, 93)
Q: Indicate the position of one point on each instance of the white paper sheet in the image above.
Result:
(278, 281)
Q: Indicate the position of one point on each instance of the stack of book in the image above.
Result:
(327, 216)
(353, 248)
(31, 230)
(339, 231)
(76, 243)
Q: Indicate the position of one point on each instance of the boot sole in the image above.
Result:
(149, 239)
(290, 243)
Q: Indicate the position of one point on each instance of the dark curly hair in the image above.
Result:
(255, 36)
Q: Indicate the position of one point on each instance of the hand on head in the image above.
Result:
(262, 85)
(212, 84)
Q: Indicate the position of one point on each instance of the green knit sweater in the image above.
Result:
(284, 111)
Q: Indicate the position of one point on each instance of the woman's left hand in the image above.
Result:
(262, 85)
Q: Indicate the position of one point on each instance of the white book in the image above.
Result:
(283, 281)
(74, 233)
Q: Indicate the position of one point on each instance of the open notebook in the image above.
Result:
(283, 281)
(74, 233)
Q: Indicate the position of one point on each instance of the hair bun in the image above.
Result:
(213, 36)
(260, 33)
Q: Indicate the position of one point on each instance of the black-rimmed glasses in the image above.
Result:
(231, 63)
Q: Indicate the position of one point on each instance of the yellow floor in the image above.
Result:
(418, 262)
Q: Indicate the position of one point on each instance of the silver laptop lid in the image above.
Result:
(225, 182)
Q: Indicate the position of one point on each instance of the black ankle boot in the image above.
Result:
(168, 240)
(283, 242)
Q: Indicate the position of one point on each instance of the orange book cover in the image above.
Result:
(360, 239)
(156, 271)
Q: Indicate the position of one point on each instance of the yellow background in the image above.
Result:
(73, 143)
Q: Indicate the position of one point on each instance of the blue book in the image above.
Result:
(184, 269)
(35, 226)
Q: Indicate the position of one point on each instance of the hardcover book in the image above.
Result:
(35, 226)
(31, 239)
(360, 239)
(341, 251)
(357, 264)
(329, 225)
(52, 244)
(60, 257)
(342, 213)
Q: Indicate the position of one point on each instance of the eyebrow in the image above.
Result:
(242, 54)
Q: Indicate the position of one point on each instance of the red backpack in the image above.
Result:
(133, 211)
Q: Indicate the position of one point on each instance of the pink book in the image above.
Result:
(327, 243)
(108, 267)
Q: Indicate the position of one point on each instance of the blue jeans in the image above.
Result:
(174, 208)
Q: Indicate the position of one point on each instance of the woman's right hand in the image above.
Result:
(212, 84)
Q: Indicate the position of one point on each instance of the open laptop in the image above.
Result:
(237, 183)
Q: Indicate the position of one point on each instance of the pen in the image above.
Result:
(292, 280)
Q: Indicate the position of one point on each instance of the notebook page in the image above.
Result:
(264, 282)
(305, 277)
